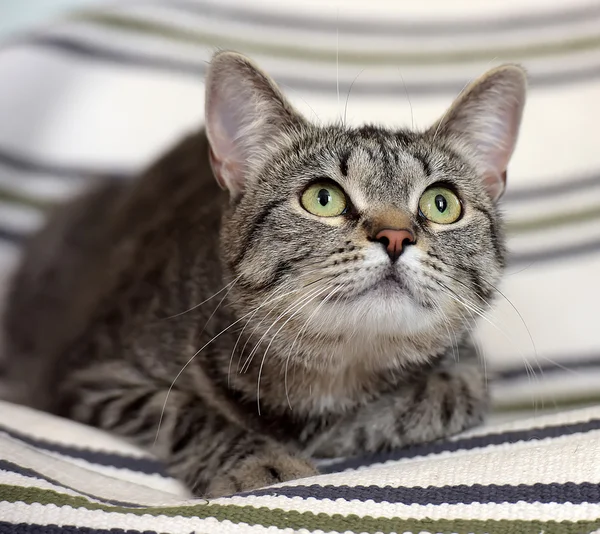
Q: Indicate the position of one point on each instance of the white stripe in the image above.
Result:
(61, 431)
(565, 417)
(20, 218)
(525, 462)
(154, 481)
(157, 47)
(437, 10)
(556, 302)
(68, 516)
(106, 483)
(545, 390)
(130, 116)
(553, 238)
(203, 22)
(47, 188)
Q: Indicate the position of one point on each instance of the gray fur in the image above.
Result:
(254, 334)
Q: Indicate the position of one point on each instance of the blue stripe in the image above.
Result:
(148, 466)
(554, 493)
(464, 444)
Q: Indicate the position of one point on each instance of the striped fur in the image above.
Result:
(240, 337)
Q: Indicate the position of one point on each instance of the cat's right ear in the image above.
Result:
(485, 119)
(246, 115)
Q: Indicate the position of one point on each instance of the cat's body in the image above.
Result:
(253, 333)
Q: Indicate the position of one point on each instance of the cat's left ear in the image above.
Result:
(246, 116)
(485, 120)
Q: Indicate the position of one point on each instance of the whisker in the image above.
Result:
(517, 312)
(348, 95)
(522, 319)
(233, 282)
(246, 365)
(273, 339)
(162, 413)
(454, 296)
(267, 315)
(298, 335)
(412, 118)
(447, 325)
(337, 58)
(268, 300)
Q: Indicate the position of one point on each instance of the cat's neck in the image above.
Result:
(335, 375)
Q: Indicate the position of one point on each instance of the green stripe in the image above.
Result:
(304, 520)
(553, 221)
(550, 403)
(344, 57)
(7, 195)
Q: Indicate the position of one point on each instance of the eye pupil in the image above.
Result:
(324, 197)
(441, 203)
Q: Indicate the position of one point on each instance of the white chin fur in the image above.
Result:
(384, 310)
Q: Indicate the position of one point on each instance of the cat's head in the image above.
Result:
(360, 233)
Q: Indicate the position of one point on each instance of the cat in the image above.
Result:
(271, 291)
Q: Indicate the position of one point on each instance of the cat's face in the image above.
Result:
(360, 233)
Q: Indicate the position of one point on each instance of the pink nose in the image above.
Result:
(394, 240)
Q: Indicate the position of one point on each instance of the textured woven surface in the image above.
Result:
(541, 474)
(104, 92)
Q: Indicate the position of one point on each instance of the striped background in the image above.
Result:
(104, 90)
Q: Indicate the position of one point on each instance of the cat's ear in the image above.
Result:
(485, 119)
(246, 114)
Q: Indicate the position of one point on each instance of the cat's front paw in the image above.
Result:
(258, 471)
(460, 396)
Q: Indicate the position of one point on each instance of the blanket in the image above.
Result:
(527, 476)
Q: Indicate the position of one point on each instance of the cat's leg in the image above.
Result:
(439, 404)
(201, 445)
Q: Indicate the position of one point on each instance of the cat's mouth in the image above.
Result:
(389, 285)
(392, 282)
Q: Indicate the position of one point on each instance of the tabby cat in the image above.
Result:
(317, 304)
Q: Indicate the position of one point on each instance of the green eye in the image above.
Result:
(440, 205)
(324, 199)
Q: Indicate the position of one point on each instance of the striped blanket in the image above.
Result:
(102, 91)
(530, 476)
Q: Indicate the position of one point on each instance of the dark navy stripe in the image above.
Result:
(561, 366)
(559, 253)
(28, 528)
(392, 28)
(554, 493)
(148, 466)
(5, 465)
(464, 444)
(22, 163)
(99, 52)
(546, 191)
(10, 236)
